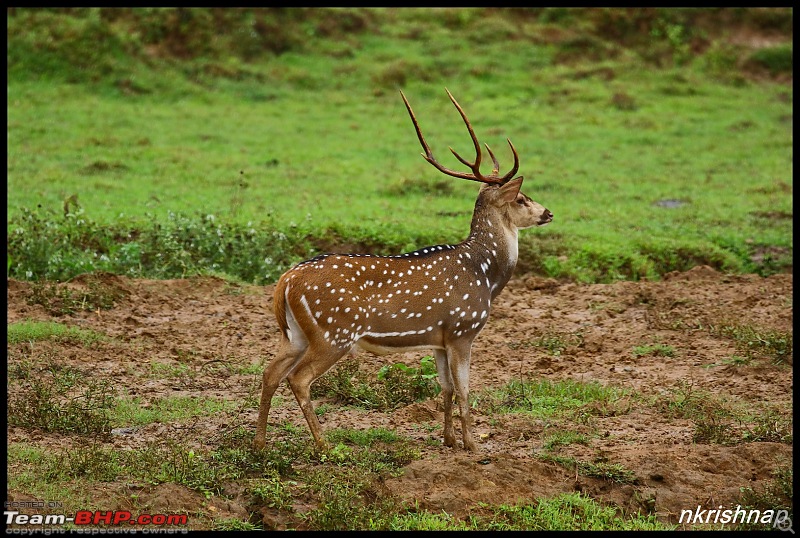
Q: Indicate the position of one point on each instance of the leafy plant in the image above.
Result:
(396, 384)
(405, 384)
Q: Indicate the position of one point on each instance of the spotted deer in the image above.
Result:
(435, 298)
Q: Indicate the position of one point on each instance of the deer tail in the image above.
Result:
(279, 306)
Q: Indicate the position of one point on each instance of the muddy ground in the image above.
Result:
(205, 322)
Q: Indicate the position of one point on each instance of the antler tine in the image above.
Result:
(496, 168)
(514, 168)
(428, 155)
(476, 175)
(476, 166)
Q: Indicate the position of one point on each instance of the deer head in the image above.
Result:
(501, 192)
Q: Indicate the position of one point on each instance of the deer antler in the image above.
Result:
(476, 175)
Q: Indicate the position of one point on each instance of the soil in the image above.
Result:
(206, 324)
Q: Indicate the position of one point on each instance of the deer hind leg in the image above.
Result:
(311, 366)
(446, 381)
(276, 372)
(458, 359)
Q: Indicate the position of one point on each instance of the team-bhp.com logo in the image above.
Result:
(779, 519)
(97, 517)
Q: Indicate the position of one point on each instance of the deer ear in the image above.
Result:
(509, 191)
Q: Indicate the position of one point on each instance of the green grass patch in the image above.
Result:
(733, 360)
(567, 511)
(132, 411)
(657, 350)
(161, 370)
(232, 524)
(773, 59)
(362, 437)
(339, 480)
(546, 399)
(564, 438)
(34, 331)
(27, 471)
(162, 183)
(56, 398)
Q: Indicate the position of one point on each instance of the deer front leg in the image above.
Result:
(446, 381)
(458, 358)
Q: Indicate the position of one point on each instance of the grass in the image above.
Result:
(55, 398)
(396, 384)
(757, 342)
(35, 331)
(162, 182)
(59, 299)
(553, 343)
(727, 420)
(564, 438)
(132, 411)
(545, 399)
(658, 350)
(612, 472)
(573, 511)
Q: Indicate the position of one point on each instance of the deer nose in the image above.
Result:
(546, 217)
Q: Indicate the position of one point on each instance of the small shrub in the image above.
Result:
(346, 501)
(776, 60)
(404, 384)
(62, 399)
(396, 385)
(43, 245)
(273, 493)
(347, 385)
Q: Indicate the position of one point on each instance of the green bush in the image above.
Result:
(774, 59)
(44, 246)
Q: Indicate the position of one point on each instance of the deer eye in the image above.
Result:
(521, 201)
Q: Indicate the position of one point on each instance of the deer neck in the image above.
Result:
(492, 246)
